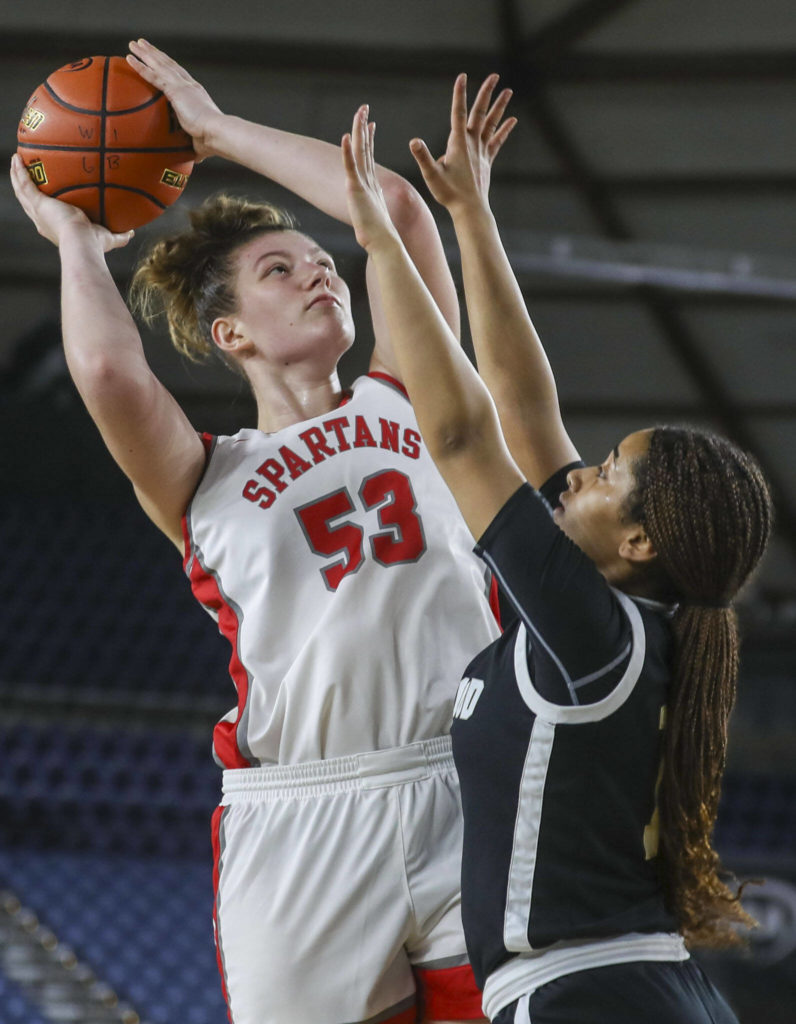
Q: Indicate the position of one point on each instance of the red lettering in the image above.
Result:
(273, 471)
(389, 434)
(411, 447)
(316, 442)
(295, 464)
(337, 425)
(363, 437)
(262, 495)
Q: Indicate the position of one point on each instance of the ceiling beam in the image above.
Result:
(560, 33)
(719, 405)
(353, 61)
(724, 65)
(548, 49)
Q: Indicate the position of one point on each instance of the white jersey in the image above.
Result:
(337, 564)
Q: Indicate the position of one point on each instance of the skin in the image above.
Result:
(290, 326)
(292, 368)
(591, 513)
(455, 411)
(457, 415)
(142, 425)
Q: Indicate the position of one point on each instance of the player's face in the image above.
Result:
(592, 507)
(293, 307)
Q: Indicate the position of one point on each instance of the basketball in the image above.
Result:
(96, 135)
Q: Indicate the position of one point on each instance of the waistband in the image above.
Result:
(375, 769)
(525, 973)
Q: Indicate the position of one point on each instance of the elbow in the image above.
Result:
(104, 379)
(95, 371)
(404, 202)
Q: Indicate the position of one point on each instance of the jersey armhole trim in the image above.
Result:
(557, 713)
(392, 382)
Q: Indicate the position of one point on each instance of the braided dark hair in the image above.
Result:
(190, 276)
(707, 510)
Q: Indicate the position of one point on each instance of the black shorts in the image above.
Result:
(649, 992)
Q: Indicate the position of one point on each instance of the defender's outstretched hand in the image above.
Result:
(462, 174)
(191, 102)
(366, 204)
(52, 217)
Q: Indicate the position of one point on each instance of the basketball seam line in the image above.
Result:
(108, 149)
(98, 113)
(123, 188)
(106, 74)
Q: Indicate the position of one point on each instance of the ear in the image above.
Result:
(226, 334)
(636, 546)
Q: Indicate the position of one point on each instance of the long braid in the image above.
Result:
(707, 510)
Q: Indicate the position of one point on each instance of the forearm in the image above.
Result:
(102, 345)
(312, 170)
(308, 167)
(509, 354)
(450, 401)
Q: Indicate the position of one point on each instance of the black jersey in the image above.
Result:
(557, 741)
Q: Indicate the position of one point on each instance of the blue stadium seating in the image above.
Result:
(98, 601)
(15, 1007)
(143, 925)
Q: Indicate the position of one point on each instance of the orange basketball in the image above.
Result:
(96, 135)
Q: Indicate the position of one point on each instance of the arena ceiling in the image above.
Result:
(648, 196)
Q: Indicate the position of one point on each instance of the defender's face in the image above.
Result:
(591, 512)
(292, 304)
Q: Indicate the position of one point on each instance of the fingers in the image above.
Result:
(480, 108)
(459, 105)
(117, 241)
(357, 148)
(424, 160)
(153, 64)
(484, 119)
(152, 56)
(24, 189)
(496, 112)
(500, 136)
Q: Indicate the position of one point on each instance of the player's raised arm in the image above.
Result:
(510, 356)
(144, 428)
(454, 410)
(311, 169)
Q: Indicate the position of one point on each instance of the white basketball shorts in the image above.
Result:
(337, 891)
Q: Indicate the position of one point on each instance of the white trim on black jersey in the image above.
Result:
(527, 625)
(519, 889)
(521, 976)
(526, 837)
(555, 713)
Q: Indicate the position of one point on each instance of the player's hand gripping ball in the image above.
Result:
(96, 135)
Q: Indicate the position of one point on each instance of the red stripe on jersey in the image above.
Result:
(215, 831)
(389, 380)
(494, 602)
(450, 993)
(207, 592)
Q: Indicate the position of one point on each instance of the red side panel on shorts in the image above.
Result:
(216, 836)
(450, 993)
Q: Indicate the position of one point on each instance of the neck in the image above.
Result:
(292, 398)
